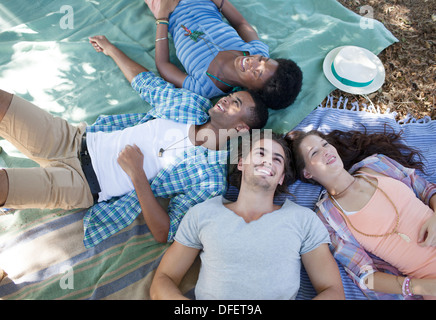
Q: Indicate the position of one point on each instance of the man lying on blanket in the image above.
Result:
(177, 150)
(251, 248)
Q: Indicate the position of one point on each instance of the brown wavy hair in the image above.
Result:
(354, 146)
(235, 175)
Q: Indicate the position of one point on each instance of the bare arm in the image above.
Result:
(427, 233)
(167, 70)
(388, 283)
(237, 21)
(131, 161)
(173, 267)
(323, 273)
(129, 67)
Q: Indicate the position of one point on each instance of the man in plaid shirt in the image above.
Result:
(127, 161)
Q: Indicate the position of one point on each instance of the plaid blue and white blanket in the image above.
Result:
(45, 258)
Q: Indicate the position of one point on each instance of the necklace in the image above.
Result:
(162, 150)
(394, 230)
(218, 79)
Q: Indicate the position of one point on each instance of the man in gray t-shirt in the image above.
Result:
(256, 260)
(251, 248)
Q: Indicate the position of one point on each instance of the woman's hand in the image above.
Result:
(424, 287)
(427, 234)
(167, 6)
(162, 8)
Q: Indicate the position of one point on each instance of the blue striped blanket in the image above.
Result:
(44, 256)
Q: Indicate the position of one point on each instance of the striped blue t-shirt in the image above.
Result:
(195, 56)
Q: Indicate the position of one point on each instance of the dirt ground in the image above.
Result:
(410, 64)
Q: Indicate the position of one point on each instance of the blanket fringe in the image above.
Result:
(342, 103)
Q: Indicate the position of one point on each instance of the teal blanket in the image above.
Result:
(45, 56)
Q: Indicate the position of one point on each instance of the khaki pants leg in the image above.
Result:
(54, 144)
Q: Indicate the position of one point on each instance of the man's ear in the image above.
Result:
(242, 128)
(282, 179)
(306, 174)
(240, 164)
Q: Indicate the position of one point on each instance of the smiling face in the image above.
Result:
(264, 166)
(254, 71)
(320, 158)
(231, 111)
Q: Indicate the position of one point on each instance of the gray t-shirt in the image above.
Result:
(255, 260)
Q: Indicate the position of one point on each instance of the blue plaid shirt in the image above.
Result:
(197, 175)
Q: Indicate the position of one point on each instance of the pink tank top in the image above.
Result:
(378, 217)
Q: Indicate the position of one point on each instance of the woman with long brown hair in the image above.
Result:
(379, 211)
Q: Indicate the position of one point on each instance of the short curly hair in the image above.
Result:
(281, 90)
(258, 113)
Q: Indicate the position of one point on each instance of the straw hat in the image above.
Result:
(354, 70)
